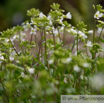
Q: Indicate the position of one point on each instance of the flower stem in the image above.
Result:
(100, 33)
(73, 45)
(54, 41)
(45, 45)
(94, 32)
(36, 43)
(13, 47)
(77, 44)
(40, 49)
(93, 54)
(64, 37)
(31, 38)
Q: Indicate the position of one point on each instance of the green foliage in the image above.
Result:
(33, 12)
(99, 7)
(81, 26)
(33, 72)
(55, 6)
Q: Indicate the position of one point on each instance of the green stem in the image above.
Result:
(84, 83)
(77, 44)
(36, 43)
(100, 33)
(64, 37)
(59, 35)
(45, 45)
(93, 54)
(94, 32)
(40, 47)
(41, 43)
(14, 47)
(73, 45)
(54, 49)
(31, 38)
(54, 41)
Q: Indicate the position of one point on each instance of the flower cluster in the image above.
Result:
(43, 65)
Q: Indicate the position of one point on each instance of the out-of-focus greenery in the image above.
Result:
(55, 69)
(16, 9)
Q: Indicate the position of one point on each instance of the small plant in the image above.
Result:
(42, 73)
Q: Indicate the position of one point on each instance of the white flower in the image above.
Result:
(90, 31)
(22, 74)
(82, 35)
(99, 30)
(62, 28)
(67, 60)
(26, 26)
(55, 31)
(97, 81)
(89, 44)
(33, 31)
(72, 31)
(68, 15)
(6, 40)
(81, 77)
(15, 37)
(1, 57)
(58, 40)
(11, 58)
(31, 70)
(41, 15)
(75, 53)
(65, 80)
(17, 61)
(48, 28)
(86, 65)
(51, 61)
(76, 68)
(50, 22)
(61, 20)
(98, 15)
(49, 17)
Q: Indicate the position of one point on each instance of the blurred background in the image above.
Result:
(13, 12)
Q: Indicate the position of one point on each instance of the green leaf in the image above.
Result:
(101, 40)
(81, 51)
(96, 59)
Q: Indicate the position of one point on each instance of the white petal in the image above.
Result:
(68, 15)
(31, 70)
(76, 68)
